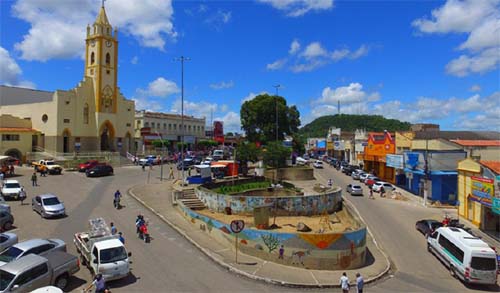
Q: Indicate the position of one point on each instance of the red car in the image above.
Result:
(87, 165)
(371, 180)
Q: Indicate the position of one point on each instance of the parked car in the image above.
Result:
(11, 189)
(318, 164)
(377, 186)
(87, 165)
(4, 206)
(36, 246)
(370, 180)
(48, 205)
(349, 169)
(356, 189)
(149, 160)
(301, 161)
(7, 240)
(427, 226)
(188, 162)
(6, 220)
(356, 174)
(34, 271)
(362, 177)
(100, 170)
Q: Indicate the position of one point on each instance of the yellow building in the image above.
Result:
(17, 136)
(478, 190)
(94, 116)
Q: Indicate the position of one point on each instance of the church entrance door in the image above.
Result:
(107, 136)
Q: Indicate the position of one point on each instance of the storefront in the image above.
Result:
(379, 145)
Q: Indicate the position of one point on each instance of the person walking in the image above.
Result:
(171, 173)
(34, 179)
(282, 252)
(360, 283)
(120, 237)
(371, 193)
(22, 195)
(116, 200)
(344, 283)
(113, 228)
(382, 191)
(11, 170)
(99, 283)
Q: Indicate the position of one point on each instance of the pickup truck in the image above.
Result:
(33, 271)
(52, 167)
(102, 252)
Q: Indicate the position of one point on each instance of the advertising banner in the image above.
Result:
(495, 207)
(395, 161)
(482, 190)
(339, 146)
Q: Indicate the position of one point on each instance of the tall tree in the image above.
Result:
(258, 118)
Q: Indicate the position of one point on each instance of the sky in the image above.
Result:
(417, 61)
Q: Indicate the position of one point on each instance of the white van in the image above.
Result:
(469, 258)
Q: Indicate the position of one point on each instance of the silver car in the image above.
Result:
(7, 240)
(34, 246)
(354, 189)
(48, 205)
(3, 205)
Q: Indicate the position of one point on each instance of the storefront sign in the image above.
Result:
(395, 161)
(339, 146)
(495, 207)
(482, 190)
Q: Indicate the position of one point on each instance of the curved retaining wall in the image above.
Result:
(304, 205)
(320, 251)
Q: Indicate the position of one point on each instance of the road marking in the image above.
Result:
(314, 278)
(221, 250)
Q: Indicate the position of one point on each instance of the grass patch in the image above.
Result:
(238, 188)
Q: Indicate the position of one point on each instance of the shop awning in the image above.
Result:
(416, 171)
(443, 173)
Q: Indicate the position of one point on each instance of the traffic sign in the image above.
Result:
(237, 226)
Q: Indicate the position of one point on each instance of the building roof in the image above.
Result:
(467, 142)
(102, 18)
(458, 135)
(17, 129)
(492, 165)
(10, 95)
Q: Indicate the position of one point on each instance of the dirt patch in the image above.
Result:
(339, 222)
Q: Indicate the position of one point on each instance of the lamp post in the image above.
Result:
(162, 153)
(276, 105)
(182, 59)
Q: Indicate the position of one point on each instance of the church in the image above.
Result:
(93, 116)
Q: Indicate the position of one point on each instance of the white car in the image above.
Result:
(207, 161)
(301, 161)
(318, 164)
(11, 189)
(379, 184)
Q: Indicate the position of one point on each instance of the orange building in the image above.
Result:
(379, 145)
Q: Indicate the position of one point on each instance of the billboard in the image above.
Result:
(219, 131)
(482, 190)
(395, 161)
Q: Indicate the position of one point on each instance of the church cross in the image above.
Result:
(103, 3)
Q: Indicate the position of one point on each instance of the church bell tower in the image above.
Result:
(101, 62)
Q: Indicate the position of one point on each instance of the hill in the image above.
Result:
(319, 127)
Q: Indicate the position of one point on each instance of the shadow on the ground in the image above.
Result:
(370, 259)
(130, 279)
(74, 283)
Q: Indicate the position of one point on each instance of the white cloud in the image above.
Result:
(162, 87)
(278, 64)
(222, 85)
(295, 8)
(232, 122)
(475, 88)
(353, 93)
(294, 47)
(10, 72)
(58, 28)
(480, 19)
(134, 60)
(218, 19)
(314, 56)
(143, 103)
(251, 96)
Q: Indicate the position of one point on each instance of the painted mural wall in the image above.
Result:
(320, 251)
(306, 205)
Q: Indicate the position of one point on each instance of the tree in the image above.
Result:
(159, 143)
(207, 143)
(229, 134)
(258, 118)
(247, 152)
(276, 154)
(271, 241)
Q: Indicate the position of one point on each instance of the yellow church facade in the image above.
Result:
(93, 116)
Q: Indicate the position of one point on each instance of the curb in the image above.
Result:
(232, 269)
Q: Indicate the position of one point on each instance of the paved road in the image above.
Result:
(392, 223)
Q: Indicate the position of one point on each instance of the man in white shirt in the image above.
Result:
(344, 283)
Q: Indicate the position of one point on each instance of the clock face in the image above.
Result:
(92, 43)
(108, 43)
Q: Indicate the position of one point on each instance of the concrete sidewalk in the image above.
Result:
(158, 199)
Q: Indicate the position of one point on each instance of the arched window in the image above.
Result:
(108, 59)
(92, 58)
(86, 114)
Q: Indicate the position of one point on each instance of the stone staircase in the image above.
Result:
(190, 200)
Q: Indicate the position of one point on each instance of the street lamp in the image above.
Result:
(276, 105)
(182, 59)
(162, 153)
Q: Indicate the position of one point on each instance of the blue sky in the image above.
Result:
(418, 61)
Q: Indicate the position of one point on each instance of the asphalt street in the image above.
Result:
(171, 264)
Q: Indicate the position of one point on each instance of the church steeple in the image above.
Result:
(102, 18)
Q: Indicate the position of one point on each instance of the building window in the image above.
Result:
(66, 120)
(152, 125)
(108, 71)
(10, 137)
(92, 58)
(164, 125)
(189, 127)
(86, 114)
(175, 126)
(169, 126)
(146, 124)
(128, 124)
(45, 118)
(108, 59)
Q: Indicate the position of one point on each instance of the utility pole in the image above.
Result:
(182, 59)
(426, 171)
(162, 155)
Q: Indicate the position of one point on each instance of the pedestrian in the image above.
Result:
(43, 171)
(344, 283)
(330, 183)
(116, 199)
(120, 237)
(382, 191)
(150, 165)
(113, 228)
(2, 176)
(22, 195)
(34, 179)
(189, 171)
(138, 223)
(360, 282)
(282, 252)
(11, 170)
(99, 283)
(135, 160)
(143, 166)
(371, 193)
(171, 173)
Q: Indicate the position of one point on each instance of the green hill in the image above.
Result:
(319, 127)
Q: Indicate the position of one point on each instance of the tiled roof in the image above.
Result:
(10, 95)
(17, 129)
(493, 165)
(455, 135)
(466, 142)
